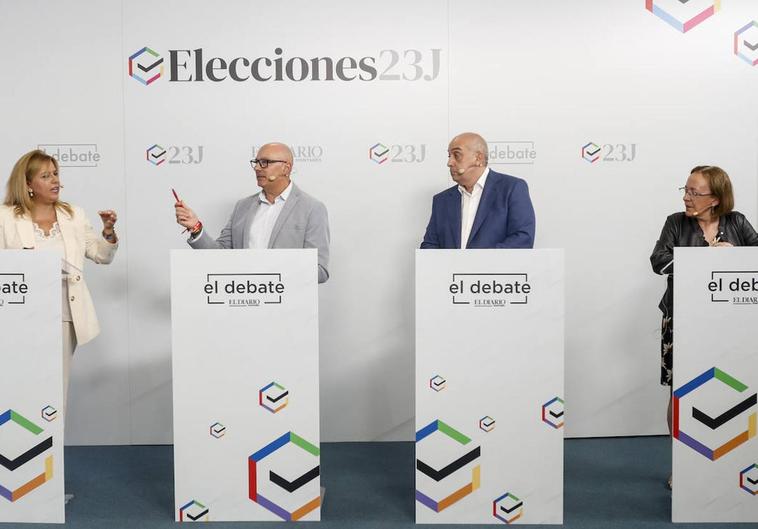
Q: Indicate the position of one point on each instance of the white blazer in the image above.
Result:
(79, 240)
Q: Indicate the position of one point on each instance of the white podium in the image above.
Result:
(31, 388)
(715, 452)
(245, 380)
(489, 386)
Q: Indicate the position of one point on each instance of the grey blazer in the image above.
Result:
(302, 223)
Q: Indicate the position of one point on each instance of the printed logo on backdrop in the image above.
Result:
(380, 153)
(198, 65)
(301, 153)
(439, 488)
(683, 15)
(290, 497)
(174, 154)
(746, 43)
(715, 428)
(35, 459)
(511, 153)
(13, 289)
(145, 66)
(490, 289)
(73, 154)
(734, 287)
(609, 152)
(244, 290)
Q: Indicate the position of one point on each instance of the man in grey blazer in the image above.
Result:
(281, 215)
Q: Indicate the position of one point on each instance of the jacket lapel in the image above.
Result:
(454, 214)
(485, 205)
(25, 230)
(247, 222)
(68, 233)
(289, 205)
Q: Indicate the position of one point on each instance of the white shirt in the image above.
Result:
(265, 218)
(469, 205)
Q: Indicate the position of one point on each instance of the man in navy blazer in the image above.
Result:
(484, 209)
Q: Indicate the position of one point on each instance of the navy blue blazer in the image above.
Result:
(504, 219)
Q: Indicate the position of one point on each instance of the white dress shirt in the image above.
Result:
(469, 206)
(265, 218)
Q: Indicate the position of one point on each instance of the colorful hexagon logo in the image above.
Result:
(749, 479)
(194, 511)
(439, 488)
(274, 397)
(552, 412)
(379, 153)
(746, 43)
(437, 383)
(217, 430)
(591, 152)
(287, 490)
(487, 423)
(17, 487)
(49, 413)
(155, 154)
(683, 15)
(714, 423)
(507, 508)
(146, 66)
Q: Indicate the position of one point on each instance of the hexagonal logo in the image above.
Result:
(274, 397)
(277, 470)
(683, 15)
(379, 153)
(155, 154)
(746, 43)
(447, 466)
(217, 430)
(552, 412)
(749, 479)
(49, 413)
(507, 508)
(437, 383)
(146, 66)
(194, 511)
(591, 152)
(708, 421)
(23, 464)
(487, 423)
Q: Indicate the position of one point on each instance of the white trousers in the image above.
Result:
(69, 344)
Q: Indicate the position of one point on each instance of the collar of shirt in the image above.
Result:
(283, 196)
(478, 186)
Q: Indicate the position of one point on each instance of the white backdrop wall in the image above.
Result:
(542, 77)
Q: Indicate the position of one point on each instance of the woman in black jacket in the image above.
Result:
(708, 220)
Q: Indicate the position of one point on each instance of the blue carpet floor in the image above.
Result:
(609, 483)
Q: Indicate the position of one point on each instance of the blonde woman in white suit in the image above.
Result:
(33, 217)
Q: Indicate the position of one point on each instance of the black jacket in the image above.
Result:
(681, 230)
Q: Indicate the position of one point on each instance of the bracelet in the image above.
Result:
(196, 228)
(110, 237)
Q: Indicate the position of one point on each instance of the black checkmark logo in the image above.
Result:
(13, 464)
(158, 155)
(280, 397)
(753, 481)
(292, 486)
(459, 463)
(556, 415)
(508, 511)
(150, 67)
(715, 422)
(752, 47)
(197, 516)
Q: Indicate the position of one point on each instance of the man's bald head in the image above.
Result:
(276, 151)
(474, 143)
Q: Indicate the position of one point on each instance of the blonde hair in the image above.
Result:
(721, 187)
(16, 190)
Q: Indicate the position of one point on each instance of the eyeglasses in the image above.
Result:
(694, 194)
(263, 162)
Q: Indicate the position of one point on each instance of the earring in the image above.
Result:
(31, 193)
